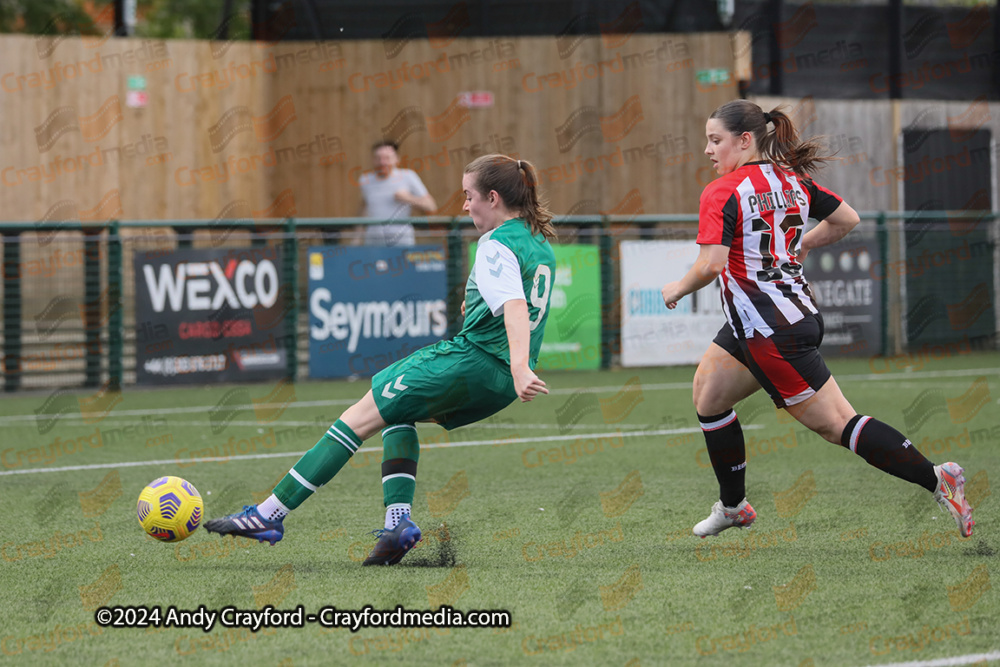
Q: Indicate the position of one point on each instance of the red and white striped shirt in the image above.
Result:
(759, 212)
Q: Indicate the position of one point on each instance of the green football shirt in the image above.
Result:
(511, 263)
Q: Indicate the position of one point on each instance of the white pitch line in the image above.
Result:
(194, 408)
(664, 386)
(305, 404)
(945, 662)
(281, 422)
(915, 375)
(463, 443)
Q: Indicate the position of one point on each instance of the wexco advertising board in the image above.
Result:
(651, 334)
(370, 307)
(573, 329)
(209, 315)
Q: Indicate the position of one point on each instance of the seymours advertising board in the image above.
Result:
(651, 334)
(370, 307)
(209, 315)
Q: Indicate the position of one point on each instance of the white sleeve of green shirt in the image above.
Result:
(498, 275)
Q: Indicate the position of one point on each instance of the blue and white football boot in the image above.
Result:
(393, 544)
(248, 523)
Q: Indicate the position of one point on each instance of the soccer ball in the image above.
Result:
(170, 509)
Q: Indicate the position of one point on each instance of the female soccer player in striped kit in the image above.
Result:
(453, 382)
(750, 229)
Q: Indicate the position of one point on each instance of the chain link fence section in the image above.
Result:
(69, 297)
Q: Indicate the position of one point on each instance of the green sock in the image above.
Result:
(400, 452)
(318, 465)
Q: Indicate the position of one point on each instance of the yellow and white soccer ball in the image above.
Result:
(170, 509)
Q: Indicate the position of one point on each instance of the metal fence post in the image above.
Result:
(92, 308)
(12, 345)
(882, 234)
(116, 339)
(456, 251)
(185, 237)
(291, 279)
(607, 293)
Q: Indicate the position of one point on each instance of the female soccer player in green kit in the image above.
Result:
(454, 382)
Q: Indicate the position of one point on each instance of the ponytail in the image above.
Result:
(516, 181)
(782, 146)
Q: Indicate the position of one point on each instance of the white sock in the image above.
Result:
(272, 509)
(395, 512)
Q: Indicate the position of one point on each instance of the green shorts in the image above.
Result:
(452, 382)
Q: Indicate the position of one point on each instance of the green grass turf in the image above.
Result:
(873, 571)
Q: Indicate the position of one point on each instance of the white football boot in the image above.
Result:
(722, 517)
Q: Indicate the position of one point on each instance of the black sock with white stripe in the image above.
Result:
(400, 453)
(727, 451)
(888, 450)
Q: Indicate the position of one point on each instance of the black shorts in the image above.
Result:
(788, 364)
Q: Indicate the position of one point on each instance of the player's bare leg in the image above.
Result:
(720, 382)
(363, 417)
(826, 412)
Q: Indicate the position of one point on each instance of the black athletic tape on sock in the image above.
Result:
(397, 466)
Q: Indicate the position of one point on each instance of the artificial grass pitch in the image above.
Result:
(572, 512)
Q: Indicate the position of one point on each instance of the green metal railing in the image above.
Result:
(12, 346)
(103, 248)
(116, 315)
(882, 232)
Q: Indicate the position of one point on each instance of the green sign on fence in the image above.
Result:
(573, 331)
(711, 77)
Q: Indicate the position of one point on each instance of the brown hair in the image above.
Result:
(517, 184)
(782, 146)
(385, 143)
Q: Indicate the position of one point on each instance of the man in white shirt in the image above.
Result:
(390, 193)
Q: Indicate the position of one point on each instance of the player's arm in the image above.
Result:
(515, 319)
(830, 230)
(710, 263)
(498, 275)
(836, 218)
(426, 203)
(718, 212)
(416, 195)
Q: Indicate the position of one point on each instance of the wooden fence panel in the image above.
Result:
(260, 130)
